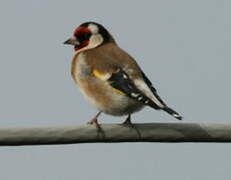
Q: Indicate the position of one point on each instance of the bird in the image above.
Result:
(108, 77)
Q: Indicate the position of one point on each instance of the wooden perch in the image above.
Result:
(110, 133)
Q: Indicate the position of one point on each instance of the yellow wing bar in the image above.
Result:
(100, 75)
(118, 91)
(105, 77)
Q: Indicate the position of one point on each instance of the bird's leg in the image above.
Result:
(128, 120)
(95, 120)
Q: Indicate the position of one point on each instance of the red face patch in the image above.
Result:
(82, 34)
(81, 30)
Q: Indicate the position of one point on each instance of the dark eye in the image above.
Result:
(83, 36)
(87, 36)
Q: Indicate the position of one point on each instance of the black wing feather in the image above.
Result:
(149, 83)
(165, 108)
(121, 81)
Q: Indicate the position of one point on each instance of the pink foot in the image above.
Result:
(94, 121)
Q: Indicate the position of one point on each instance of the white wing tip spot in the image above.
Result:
(176, 115)
(134, 95)
(125, 76)
(146, 102)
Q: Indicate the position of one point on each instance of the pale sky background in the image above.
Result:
(184, 47)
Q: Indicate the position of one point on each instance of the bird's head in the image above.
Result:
(89, 35)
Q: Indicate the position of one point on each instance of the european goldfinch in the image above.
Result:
(109, 78)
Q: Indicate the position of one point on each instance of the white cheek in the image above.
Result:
(95, 40)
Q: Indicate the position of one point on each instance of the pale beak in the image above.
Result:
(72, 41)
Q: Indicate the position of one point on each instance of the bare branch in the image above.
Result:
(155, 132)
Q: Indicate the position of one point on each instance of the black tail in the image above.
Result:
(172, 112)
